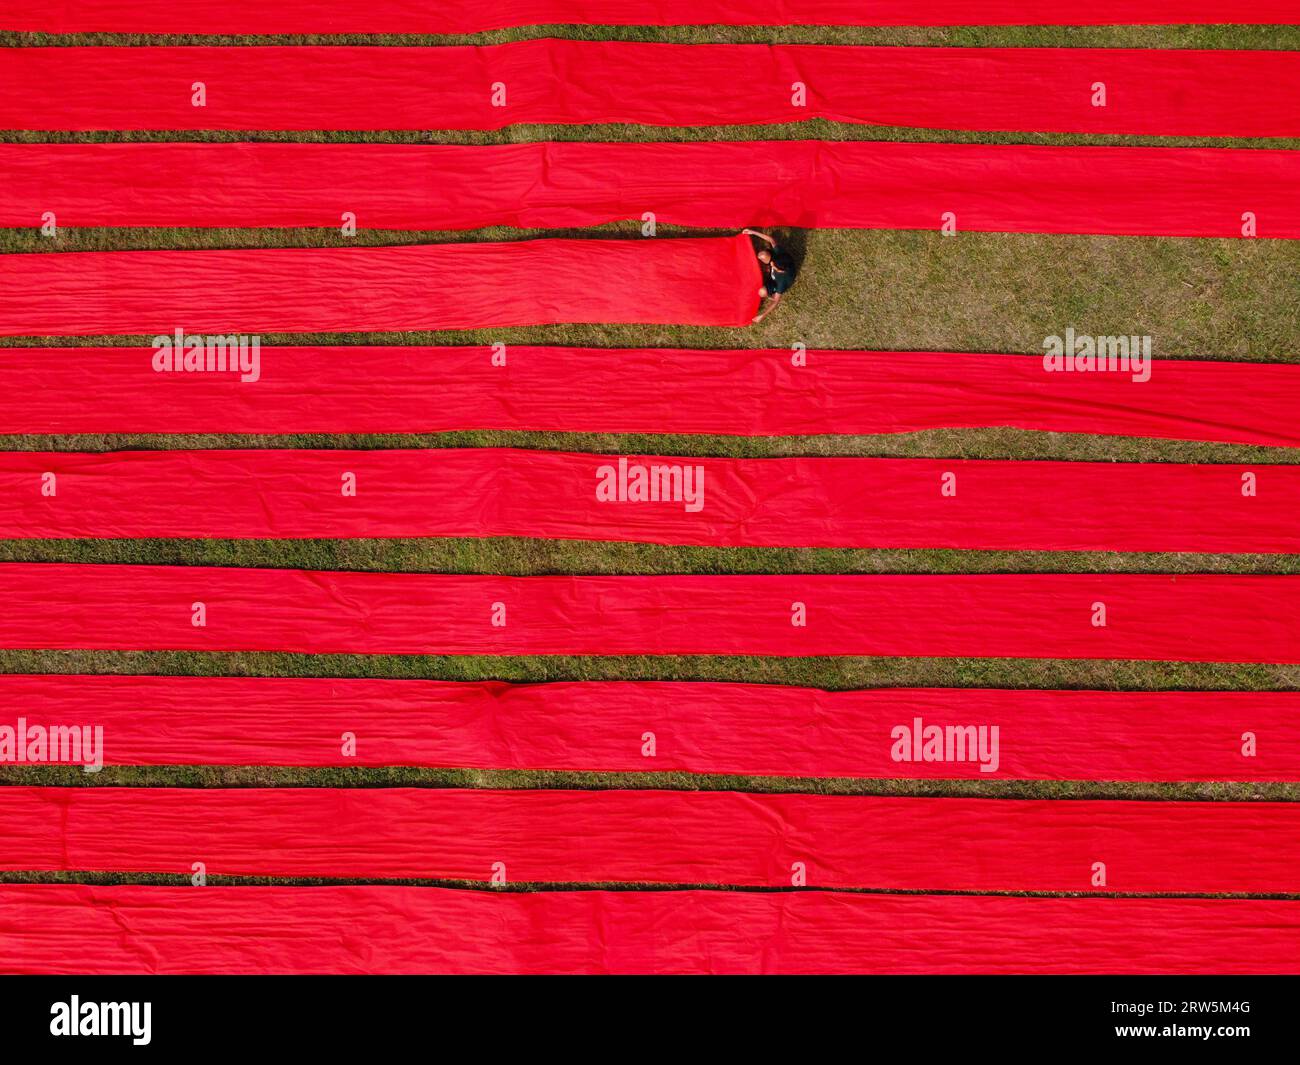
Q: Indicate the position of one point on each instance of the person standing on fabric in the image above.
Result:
(778, 269)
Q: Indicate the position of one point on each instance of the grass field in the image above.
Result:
(1235, 299)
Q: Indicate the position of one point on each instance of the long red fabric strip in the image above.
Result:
(1191, 192)
(79, 928)
(661, 837)
(780, 502)
(1197, 617)
(1146, 91)
(433, 286)
(638, 390)
(701, 838)
(617, 726)
(473, 16)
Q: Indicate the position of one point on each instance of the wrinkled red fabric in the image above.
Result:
(92, 929)
(1177, 92)
(1190, 192)
(698, 727)
(1168, 617)
(769, 502)
(640, 390)
(711, 281)
(662, 837)
(473, 16)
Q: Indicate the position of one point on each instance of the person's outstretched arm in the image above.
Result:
(771, 306)
(760, 236)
